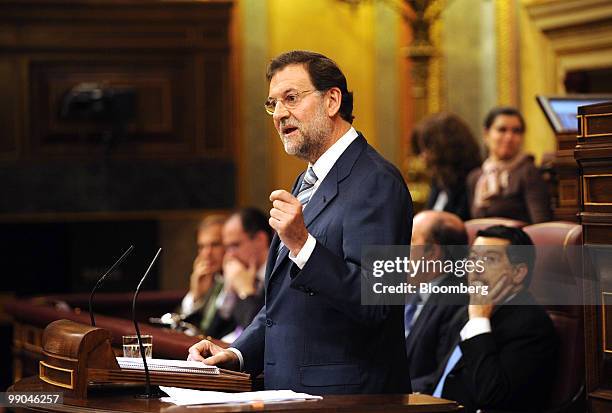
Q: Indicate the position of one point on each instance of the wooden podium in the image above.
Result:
(119, 401)
(76, 356)
(594, 156)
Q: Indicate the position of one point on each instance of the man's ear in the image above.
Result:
(334, 101)
(519, 274)
(433, 251)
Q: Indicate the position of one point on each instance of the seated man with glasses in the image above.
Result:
(505, 352)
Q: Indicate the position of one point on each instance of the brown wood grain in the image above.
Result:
(594, 157)
(121, 399)
(174, 54)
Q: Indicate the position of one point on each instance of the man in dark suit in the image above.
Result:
(313, 334)
(436, 235)
(246, 238)
(505, 357)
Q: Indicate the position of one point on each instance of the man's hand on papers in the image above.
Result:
(209, 353)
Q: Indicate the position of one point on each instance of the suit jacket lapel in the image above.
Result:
(273, 261)
(325, 193)
(460, 319)
(328, 189)
(415, 334)
(323, 196)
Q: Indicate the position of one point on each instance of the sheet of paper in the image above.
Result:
(167, 365)
(185, 397)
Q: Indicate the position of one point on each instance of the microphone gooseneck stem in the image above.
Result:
(101, 280)
(142, 351)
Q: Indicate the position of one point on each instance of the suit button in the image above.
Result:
(269, 322)
(311, 293)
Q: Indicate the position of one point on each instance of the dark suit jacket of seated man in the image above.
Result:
(436, 236)
(511, 366)
(428, 344)
(313, 335)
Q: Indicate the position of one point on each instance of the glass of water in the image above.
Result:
(132, 349)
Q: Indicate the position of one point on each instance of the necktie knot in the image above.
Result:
(310, 178)
(307, 187)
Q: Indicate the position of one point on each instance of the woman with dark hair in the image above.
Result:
(450, 152)
(508, 184)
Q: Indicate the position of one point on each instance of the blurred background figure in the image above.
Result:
(449, 151)
(246, 238)
(206, 281)
(508, 184)
(436, 236)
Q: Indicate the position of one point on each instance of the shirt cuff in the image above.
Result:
(188, 304)
(239, 354)
(302, 258)
(475, 327)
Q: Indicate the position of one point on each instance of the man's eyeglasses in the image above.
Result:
(290, 101)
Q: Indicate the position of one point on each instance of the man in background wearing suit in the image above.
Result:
(246, 238)
(437, 236)
(505, 357)
(313, 334)
(206, 281)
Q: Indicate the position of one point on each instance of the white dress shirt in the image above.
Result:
(321, 168)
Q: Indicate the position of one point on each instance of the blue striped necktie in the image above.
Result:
(306, 190)
(307, 187)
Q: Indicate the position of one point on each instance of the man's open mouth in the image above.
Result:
(288, 129)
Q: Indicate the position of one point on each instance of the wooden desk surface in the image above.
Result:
(124, 401)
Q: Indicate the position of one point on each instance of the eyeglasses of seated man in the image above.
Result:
(503, 278)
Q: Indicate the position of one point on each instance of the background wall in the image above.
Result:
(362, 39)
(470, 59)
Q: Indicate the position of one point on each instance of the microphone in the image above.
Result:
(101, 280)
(148, 394)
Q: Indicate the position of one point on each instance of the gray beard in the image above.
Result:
(311, 148)
(314, 139)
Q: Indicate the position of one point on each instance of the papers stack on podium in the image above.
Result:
(178, 373)
(176, 366)
(186, 397)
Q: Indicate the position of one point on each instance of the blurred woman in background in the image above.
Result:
(449, 151)
(508, 184)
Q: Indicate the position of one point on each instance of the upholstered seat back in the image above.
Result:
(557, 279)
(570, 364)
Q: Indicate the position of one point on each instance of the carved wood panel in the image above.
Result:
(172, 57)
(594, 156)
(161, 125)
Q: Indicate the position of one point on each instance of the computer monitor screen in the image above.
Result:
(561, 111)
